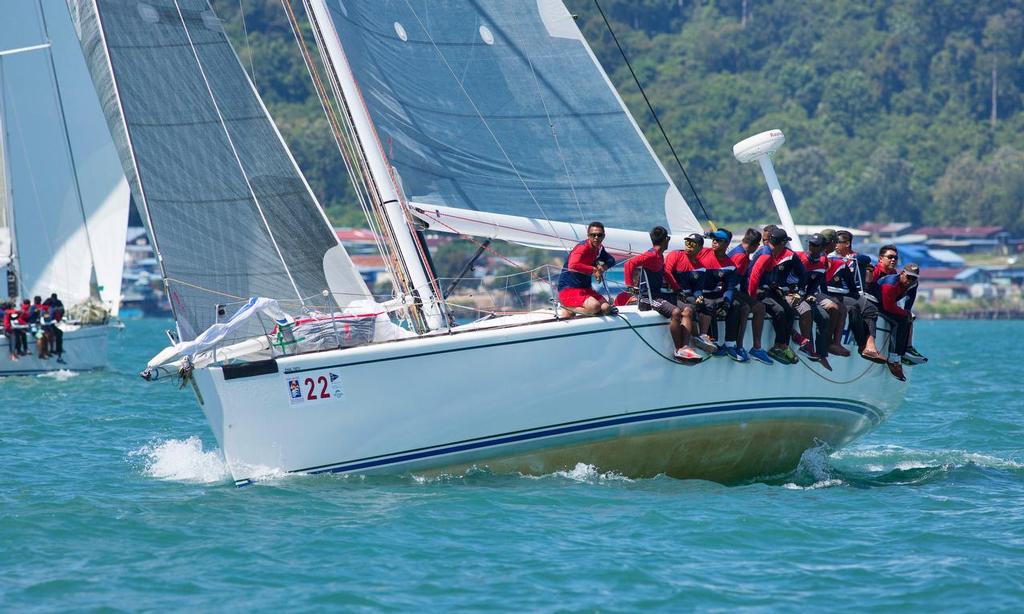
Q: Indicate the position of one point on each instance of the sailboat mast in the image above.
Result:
(7, 197)
(93, 282)
(411, 251)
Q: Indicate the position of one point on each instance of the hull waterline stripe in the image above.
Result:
(873, 414)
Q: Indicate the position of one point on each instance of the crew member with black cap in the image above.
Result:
(770, 281)
(892, 289)
(686, 267)
(646, 279)
(845, 284)
(814, 303)
(587, 259)
(740, 256)
(720, 291)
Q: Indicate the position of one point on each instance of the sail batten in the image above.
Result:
(230, 213)
(500, 106)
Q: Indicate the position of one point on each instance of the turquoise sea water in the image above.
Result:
(113, 495)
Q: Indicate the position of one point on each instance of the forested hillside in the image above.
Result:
(906, 110)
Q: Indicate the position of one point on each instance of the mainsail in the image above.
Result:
(229, 211)
(500, 106)
(68, 196)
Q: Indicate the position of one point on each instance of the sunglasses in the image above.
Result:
(889, 256)
(596, 235)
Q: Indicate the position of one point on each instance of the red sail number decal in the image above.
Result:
(311, 388)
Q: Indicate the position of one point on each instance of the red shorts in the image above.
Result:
(575, 297)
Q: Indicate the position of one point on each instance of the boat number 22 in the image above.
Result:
(323, 386)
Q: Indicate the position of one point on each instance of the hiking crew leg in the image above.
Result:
(732, 322)
(902, 333)
(869, 315)
(782, 316)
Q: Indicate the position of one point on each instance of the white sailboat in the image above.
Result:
(63, 197)
(489, 118)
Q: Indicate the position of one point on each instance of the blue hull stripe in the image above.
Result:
(871, 413)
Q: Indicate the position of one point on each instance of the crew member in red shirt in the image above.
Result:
(686, 267)
(815, 304)
(646, 280)
(720, 287)
(888, 258)
(740, 256)
(588, 259)
(773, 278)
(891, 290)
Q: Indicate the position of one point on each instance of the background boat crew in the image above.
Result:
(769, 282)
(748, 305)
(646, 280)
(892, 289)
(845, 284)
(719, 292)
(40, 321)
(587, 260)
(815, 304)
(24, 325)
(690, 274)
(55, 307)
(10, 315)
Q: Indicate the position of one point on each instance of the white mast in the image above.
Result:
(760, 147)
(380, 171)
(7, 251)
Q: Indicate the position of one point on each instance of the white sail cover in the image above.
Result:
(500, 106)
(49, 220)
(230, 214)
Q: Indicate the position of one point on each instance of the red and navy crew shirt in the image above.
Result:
(651, 265)
(580, 264)
(720, 278)
(690, 274)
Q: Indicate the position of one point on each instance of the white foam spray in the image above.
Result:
(183, 460)
(60, 375)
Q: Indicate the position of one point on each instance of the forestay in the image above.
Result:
(65, 187)
(229, 211)
(500, 106)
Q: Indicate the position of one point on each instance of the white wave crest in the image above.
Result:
(183, 460)
(889, 457)
(60, 375)
(583, 472)
(815, 486)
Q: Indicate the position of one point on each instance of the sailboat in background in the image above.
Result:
(491, 119)
(63, 197)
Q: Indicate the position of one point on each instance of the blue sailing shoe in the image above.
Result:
(721, 351)
(738, 354)
(760, 355)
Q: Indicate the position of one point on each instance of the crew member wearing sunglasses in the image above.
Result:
(646, 282)
(587, 260)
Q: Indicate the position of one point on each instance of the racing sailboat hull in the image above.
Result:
(85, 349)
(536, 399)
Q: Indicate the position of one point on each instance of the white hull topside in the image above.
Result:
(535, 399)
(85, 349)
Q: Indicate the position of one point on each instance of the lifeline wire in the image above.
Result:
(655, 115)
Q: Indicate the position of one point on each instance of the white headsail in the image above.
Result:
(68, 199)
(230, 214)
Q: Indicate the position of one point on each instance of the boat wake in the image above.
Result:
(60, 375)
(183, 460)
(887, 465)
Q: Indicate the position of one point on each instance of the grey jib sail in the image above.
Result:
(228, 208)
(499, 106)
